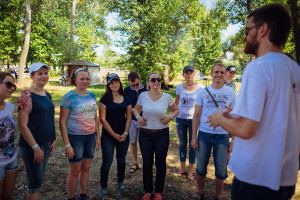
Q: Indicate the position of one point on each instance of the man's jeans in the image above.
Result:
(245, 191)
(219, 144)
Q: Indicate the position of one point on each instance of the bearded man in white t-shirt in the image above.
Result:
(207, 100)
(266, 117)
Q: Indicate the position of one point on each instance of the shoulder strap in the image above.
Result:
(212, 97)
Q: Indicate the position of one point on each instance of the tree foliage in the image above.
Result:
(164, 35)
(239, 10)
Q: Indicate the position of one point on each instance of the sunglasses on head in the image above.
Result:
(155, 79)
(9, 85)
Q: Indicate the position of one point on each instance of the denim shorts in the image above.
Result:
(34, 172)
(13, 165)
(83, 146)
(219, 144)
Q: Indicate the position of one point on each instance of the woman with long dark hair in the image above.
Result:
(8, 151)
(115, 116)
(154, 134)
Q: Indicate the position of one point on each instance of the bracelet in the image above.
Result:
(125, 133)
(232, 141)
(172, 118)
(34, 146)
(137, 116)
(68, 145)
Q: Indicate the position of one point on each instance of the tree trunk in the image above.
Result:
(26, 45)
(295, 14)
(72, 29)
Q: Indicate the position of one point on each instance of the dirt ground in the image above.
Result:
(176, 188)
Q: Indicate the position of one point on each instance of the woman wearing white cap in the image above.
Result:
(79, 129)
(36, 124)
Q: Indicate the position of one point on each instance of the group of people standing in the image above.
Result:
(263, 121)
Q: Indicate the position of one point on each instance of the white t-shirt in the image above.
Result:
(187, 101)
(270, 95)
(8, 151)
(223, 96)
(153, 112)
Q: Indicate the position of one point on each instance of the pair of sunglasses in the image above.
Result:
(135, 85)
(155, 79)
(9, 85)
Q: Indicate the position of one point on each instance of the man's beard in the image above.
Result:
(251, 47)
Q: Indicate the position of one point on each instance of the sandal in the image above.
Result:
(191, 176)
(157, 196)
(133, 168)
(103, 194)
(195, 196)
(147, 196)
(122, 188)
(181, 174)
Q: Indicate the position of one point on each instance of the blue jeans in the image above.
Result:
(108, 144)
(34, 172)
(83, 146)
(182, 126)
(244, 191)
(219, 144)
(154, 143)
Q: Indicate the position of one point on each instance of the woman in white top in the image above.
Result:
(154, 133)
(8, 151)
(186, 94)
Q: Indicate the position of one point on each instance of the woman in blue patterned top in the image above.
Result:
(8, 151)
(79, 129)
(36, 124)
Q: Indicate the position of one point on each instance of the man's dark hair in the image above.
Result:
(133, 75)
(278, 19)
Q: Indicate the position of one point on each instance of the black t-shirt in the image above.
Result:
(115, 115)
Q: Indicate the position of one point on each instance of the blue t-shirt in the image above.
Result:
(115, 115)
(40, 117)
(81, 120)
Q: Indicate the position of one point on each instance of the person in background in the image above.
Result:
(79, 127)
(36, 124)
(132, 92)
(185, 99)
(265, 119)
(204, 138)
(8, 151)
(229, 76)
(115, 116)
(154, 133)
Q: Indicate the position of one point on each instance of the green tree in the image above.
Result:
(11, 14)
(240, 9)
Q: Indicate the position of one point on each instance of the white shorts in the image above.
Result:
(133, 131)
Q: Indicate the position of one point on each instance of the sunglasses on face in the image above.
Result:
(9, 85)
(155, 79)
(135, 85)
(248, 28)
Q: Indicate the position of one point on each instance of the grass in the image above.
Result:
(58, 168)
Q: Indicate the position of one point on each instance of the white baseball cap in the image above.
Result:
(36, 66)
